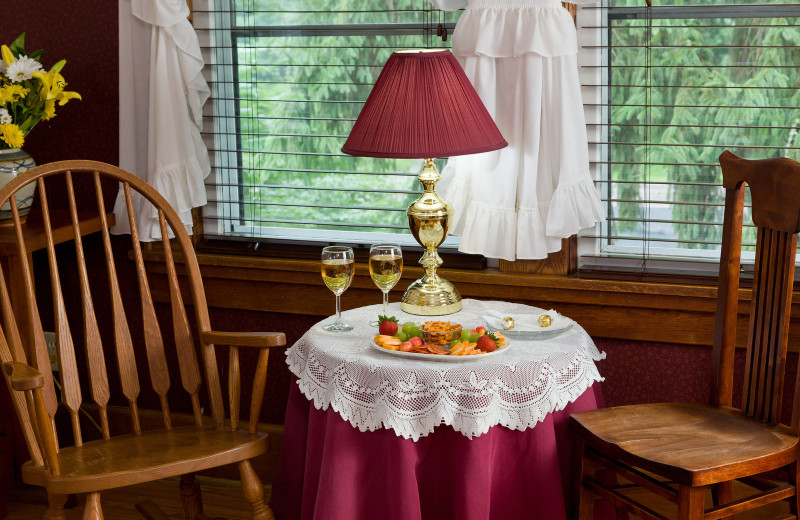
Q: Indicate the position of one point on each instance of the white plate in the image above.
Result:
(543, 333)
(440, 357)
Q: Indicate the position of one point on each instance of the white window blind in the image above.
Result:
(288, 81)
(667, 88)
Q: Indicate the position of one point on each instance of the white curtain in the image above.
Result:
(161, 97)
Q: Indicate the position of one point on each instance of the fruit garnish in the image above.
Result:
(387, 325)
(487, 343)
(480, 330)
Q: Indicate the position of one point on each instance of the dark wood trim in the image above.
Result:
(311, 252)
(563, 262)
(625, 310)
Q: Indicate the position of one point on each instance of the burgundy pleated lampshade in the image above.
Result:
(422, 107)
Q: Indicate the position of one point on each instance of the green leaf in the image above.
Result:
(58, 66)
(18, 45)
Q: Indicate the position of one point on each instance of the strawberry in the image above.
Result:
(487, 343)
(387, 325)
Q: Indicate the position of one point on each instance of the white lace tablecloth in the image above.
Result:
(373, 389)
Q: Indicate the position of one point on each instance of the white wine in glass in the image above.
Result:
(337, 269)
(385, 268)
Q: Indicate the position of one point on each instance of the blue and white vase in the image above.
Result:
(12, 163)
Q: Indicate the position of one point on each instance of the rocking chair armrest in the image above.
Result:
(245, 339)
(23, 377)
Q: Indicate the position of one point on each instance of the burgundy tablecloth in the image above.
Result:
(328, 470)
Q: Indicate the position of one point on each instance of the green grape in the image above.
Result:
(465, 334)
(408, 327)
(454, 343)
(415, 332)
(402, 336)
(474, 338)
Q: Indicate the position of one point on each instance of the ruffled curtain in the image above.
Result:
(161, 92)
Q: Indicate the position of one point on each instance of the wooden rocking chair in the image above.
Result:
(698, 448)
(113, 460)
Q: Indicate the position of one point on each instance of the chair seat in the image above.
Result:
(692, 444)
(133, 459)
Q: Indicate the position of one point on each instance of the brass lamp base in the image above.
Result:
(429, 220)
(426, 299)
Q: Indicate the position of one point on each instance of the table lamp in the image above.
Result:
(422, 107)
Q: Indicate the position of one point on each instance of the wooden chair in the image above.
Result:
(692, 447)
(115, 460)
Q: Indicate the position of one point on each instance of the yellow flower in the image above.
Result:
(8, 58)
(9, 93)
(65, 96)
(53, 84)
(49, 109)
(12, 135)
(50, 83)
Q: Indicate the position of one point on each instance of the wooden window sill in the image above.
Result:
(626, 310)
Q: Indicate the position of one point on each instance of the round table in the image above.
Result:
(373, 435)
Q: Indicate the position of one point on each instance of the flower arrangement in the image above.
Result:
(28, 93)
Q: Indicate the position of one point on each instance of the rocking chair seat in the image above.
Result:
(132, 459)
(691, 444)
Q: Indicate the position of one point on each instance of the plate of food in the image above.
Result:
(444, 342)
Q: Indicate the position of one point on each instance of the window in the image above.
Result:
(667, 89)
(288, 81)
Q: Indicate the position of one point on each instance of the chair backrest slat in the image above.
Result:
(769, 324)
(16, 350)
(774, 184)
(259, 384)
(786, 267)
(68, 367)
(153, 341)
(39, 357)
(187, 357)
(95, 358)
(234, 386)
(123, 344)
(753, 365)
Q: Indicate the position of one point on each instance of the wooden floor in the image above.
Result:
(221, 498)
(224, 498)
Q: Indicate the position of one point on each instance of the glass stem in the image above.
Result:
(385, 301)
(338, 311)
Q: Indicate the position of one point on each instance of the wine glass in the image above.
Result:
(385, 267)
(337, 273)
